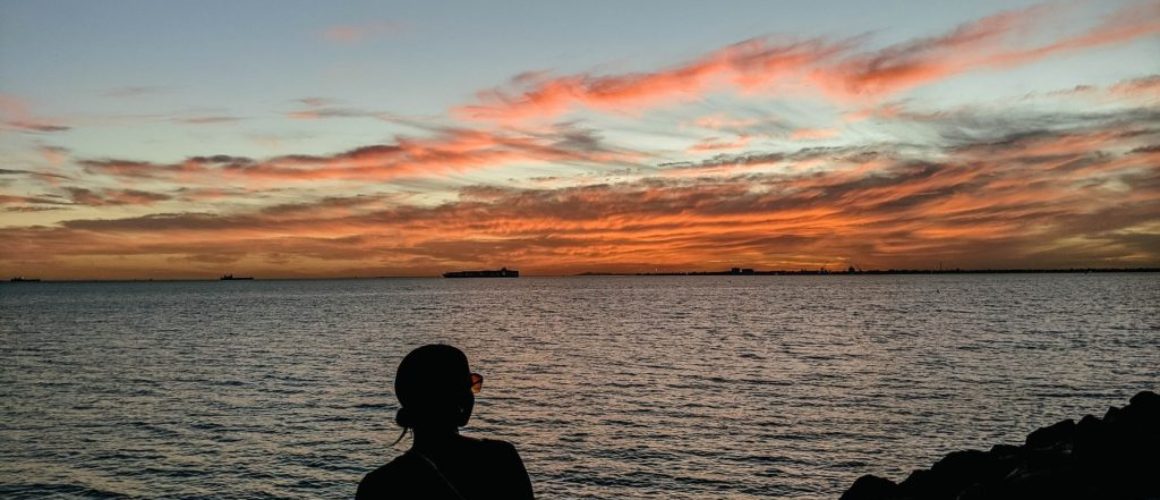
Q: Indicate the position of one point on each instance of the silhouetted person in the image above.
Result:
(436, 391)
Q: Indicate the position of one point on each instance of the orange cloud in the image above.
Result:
(1015, 200)
(98, 198)
(453, 151)
(986, 43)
(805, 134)
(749, 64)
(835, 67)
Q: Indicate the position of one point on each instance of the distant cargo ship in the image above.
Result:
(230, 277)
(501, 273)
(22, 279)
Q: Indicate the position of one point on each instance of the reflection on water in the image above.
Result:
(611, 387)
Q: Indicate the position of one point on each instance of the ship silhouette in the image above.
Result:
(499, 273)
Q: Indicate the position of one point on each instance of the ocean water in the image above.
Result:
(611, 387)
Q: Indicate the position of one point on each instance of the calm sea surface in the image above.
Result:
(611, 387)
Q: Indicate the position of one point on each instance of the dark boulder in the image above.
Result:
(1146, 401)
(1114, 457)
(961, 469)
(871, 487)
(1050, 436)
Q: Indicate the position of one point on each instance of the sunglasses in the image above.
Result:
(476, 383)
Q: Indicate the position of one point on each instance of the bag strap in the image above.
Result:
(439, 473)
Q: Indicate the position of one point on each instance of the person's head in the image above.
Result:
(434, 387)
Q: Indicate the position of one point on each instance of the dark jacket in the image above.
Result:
(467, 469)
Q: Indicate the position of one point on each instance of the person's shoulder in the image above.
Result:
(395, 466)
(385, 477)
(496, 454)
(505, 467)
(490, 445)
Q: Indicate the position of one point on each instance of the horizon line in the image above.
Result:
(729, 272)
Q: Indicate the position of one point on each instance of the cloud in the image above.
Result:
(720, 121)
(453, 150)
(100, 198)
(318, 108)
(749, 64)
(723, 163)
(716, 144)
(838, 68)
(76, 196)
(32, 173)
(880, 111)
(208, 120)
(54, 155)
(30, 200)
(31, 208)
(987, 43)
(38, 126)
(15, 113)
(1141, 90)
(357, 33)
(918, 61)
(805, 134)
(973, 186)
(1144, 87)
(134, 91)
(1081, 195)
(333, 112)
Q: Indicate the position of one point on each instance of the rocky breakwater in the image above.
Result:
(1114, 457)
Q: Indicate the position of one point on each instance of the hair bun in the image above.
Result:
(404, 418)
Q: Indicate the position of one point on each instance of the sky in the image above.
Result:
(280, 139)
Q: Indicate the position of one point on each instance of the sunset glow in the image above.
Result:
(383, 141)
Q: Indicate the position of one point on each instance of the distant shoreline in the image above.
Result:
(737, 272)
(823, 272)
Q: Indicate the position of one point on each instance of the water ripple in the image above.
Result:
(611, 387)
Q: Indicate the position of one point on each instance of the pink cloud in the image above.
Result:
(989, 43)
(452, 151)
(15, 113)
(1147, 87)
(836, 68)
(748, 64)
(715, 144)
(356, 33)
(804, 134)
(54, 155)
(720, 121)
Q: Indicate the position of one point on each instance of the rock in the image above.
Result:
(1052, 435)
(1116, 456)
(919, 484)
(1090, 433)
(960, 469)
(1040, 484)
(1144, 410)
(1146, 401)
(1047, 459)
(871, 487)
(1005, 450)
(1112, 415)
